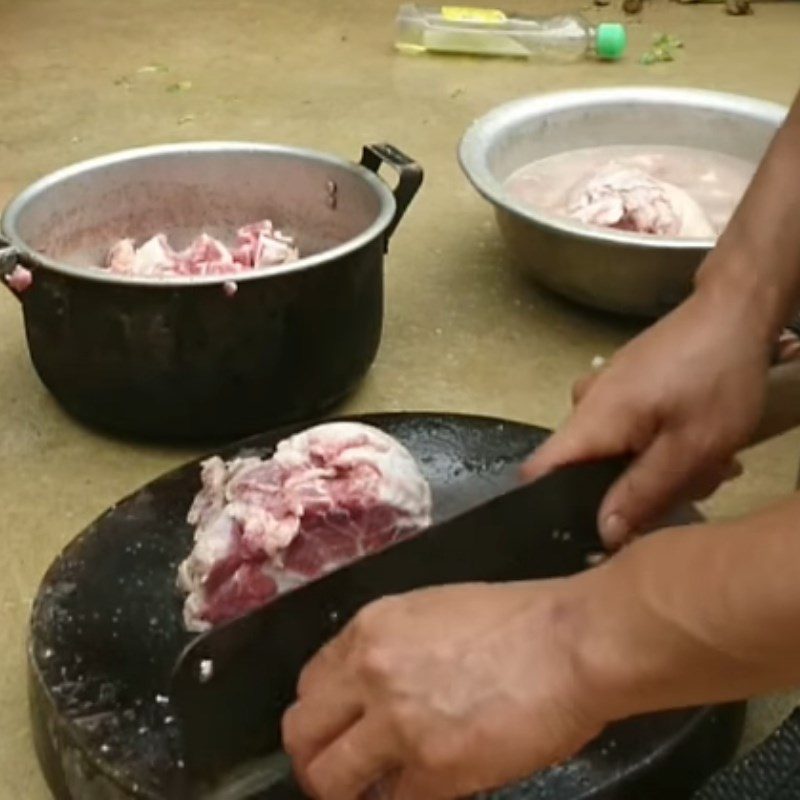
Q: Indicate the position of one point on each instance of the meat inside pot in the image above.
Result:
(314, 204)
(258, 245)
(328, 496)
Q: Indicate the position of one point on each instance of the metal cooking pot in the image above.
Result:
(612, 270)
(190, 358)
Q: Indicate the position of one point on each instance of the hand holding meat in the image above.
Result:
(440, 693)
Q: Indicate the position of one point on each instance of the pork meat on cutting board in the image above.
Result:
(328, 496)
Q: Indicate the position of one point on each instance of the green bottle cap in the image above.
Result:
(611, 41)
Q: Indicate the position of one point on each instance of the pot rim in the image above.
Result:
(8, 220)
(478, 138)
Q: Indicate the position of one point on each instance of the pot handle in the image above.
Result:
(8, 263)
(410, 177)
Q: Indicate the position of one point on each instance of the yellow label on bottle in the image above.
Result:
(489, 16)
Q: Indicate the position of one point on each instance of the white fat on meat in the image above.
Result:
(627, 198)
(328, 496)
(258, 245)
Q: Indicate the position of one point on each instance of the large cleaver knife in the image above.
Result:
(232, 684)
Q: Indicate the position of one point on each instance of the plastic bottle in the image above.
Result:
(492, 32)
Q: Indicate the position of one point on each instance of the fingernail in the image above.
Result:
(614, 529)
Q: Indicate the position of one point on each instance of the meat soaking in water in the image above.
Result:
(661, 191)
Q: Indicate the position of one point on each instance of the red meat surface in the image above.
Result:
(258, 245)
(328, 496)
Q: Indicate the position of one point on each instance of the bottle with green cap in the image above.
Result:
(493, 32)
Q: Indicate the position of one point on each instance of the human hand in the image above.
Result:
(682, 398)
(704, 485)
(440, 693)
(788, 347)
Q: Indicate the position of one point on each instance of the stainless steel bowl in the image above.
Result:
(611, 270)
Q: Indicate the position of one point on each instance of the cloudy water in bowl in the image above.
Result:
(715, 181)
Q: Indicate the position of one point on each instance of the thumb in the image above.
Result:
(646, 489)
(705, 484)
(581, 386)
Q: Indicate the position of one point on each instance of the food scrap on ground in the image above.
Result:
(736, 8)
(152, 68)
(179, 86)
(663, 49)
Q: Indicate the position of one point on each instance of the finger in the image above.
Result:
(789, 351)
(646, 489)
(583, 439)
(326, 665)
(582, 386)
(384, 788)
(788, 346)
(354, 762)
(705, 486)
(412, 786)
(311, 725)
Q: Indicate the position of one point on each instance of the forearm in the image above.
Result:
(756, 262)
(703, 614)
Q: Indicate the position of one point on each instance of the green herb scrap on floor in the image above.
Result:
(663, 49)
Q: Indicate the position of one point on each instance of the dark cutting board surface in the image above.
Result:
(106, 630)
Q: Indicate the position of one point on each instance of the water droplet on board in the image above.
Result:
(206, 670)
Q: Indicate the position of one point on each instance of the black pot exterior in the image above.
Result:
(199, 361)
(205, 360)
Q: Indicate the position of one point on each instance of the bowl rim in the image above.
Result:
(16, 206)
(477, 139)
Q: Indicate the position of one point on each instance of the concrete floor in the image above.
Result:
(462, 333)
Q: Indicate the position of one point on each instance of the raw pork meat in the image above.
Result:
(328, 496)
(628, 199)
(257, 245)
(20, 279)
(653, 189)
